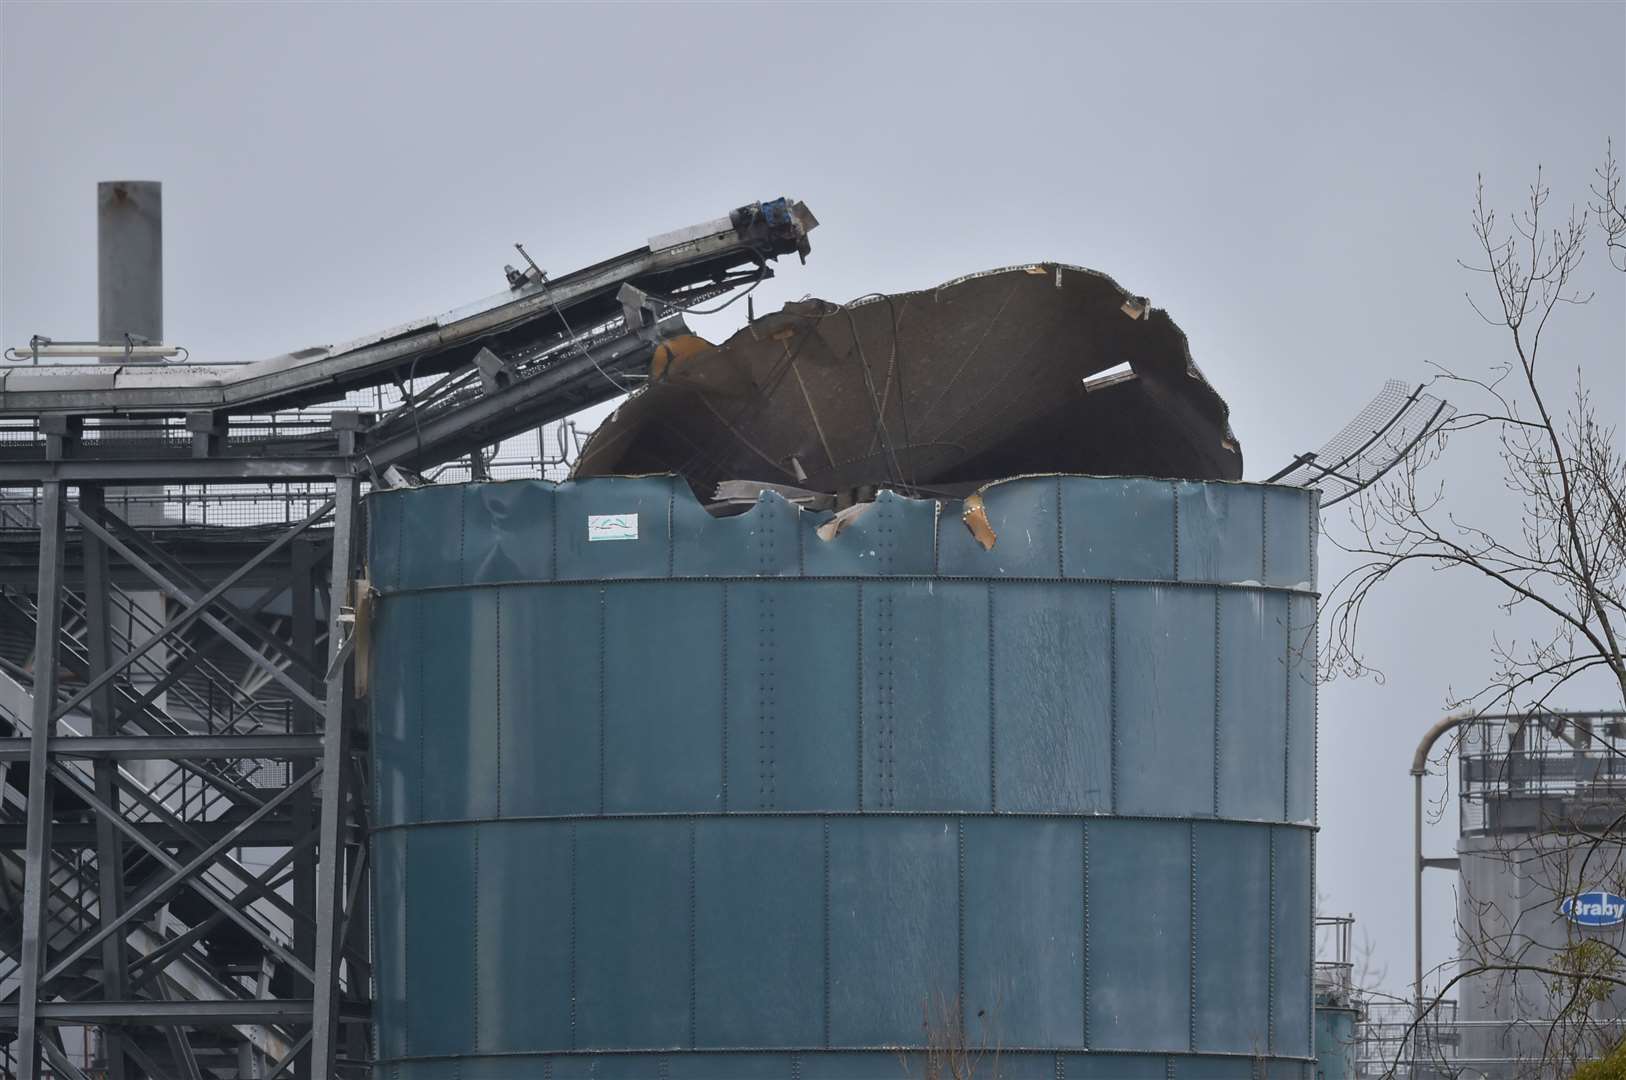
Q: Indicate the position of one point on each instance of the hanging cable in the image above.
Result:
(875, 401)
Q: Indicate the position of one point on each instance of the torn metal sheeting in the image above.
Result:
(746, 493)
(933, 392)
(975, 516)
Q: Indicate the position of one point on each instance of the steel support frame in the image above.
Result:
(104, 724)
(36, 858)
(336, 717)
(124, 818)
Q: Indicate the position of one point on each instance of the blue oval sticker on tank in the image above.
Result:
(1595, 908)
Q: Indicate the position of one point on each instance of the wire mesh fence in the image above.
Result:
(1383, 433)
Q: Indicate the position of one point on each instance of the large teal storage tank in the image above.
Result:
(662, 795)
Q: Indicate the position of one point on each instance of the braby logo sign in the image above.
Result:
(1595, 908)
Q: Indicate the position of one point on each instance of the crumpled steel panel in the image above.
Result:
(732, 799)
(931, 391)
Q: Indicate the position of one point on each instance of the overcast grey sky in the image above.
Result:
(1291, 183)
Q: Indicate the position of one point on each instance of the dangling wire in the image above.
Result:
(875, 401)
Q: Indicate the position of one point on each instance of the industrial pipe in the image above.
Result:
(1419, 769)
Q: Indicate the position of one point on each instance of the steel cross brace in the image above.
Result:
(153, 964)
(60, 1062)
(293, 1056)
(179, 873)
(194, 610)
(189, 581)
(164, 584)
(185, 831)
(194, 657)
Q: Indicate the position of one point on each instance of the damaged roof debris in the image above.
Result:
(1045, 368)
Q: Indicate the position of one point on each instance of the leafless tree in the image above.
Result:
(1566, 558)
(1561, 566)
(956, 1049)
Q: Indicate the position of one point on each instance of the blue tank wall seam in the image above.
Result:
(573, 981)
(415, 706)
(1270, 988)
(373, 901)
(1315, 900)
(889, 543)
(1191, 915)
(1174, 497)
(671, 507)
(725, 697)
(462, 531)
(801, 551)
(1313, 508)
(993, 712)
(1264, 538)
(1315, 727)
(1061, 535)
(960, 1002)
(813, 580)
(694, 986)
(1112, 710)
(883, 685)
(948, 812)
(937, 538)
(603, 696)
(889, 665)
(859, 669)
(767, 641)
(826, 830)
(789, 1053)
(1287, 731)
(475, 925)
(1218, 690)
(497, 683)
(406, 874)
(1084, 944)
(400, 543)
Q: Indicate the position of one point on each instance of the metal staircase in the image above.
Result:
(184, 948)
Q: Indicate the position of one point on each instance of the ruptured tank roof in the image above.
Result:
(1039, 368)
